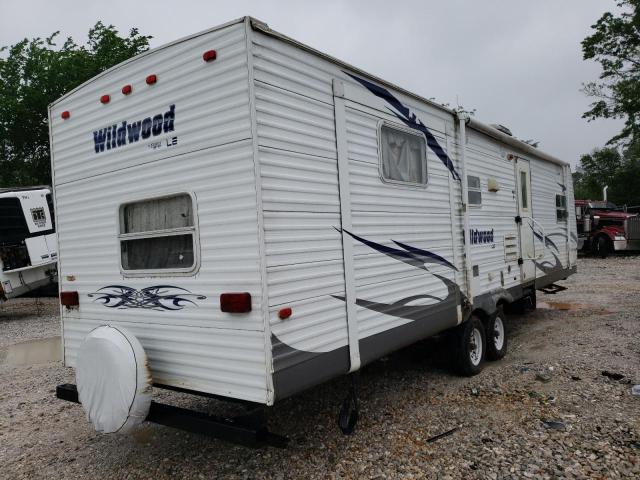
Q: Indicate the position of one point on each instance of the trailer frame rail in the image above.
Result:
(249, 430)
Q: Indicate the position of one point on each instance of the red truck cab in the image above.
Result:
(604, 227)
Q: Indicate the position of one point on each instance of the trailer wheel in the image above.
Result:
(469, 347)
(602, 246)
(496, 336)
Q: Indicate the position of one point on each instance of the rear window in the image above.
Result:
(158, 235)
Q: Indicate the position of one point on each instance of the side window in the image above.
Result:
(524, 195)
(474, 191)
(561, 208)
(403, 156)
(50, 204)
(158, 235)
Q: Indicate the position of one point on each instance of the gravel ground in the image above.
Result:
(552, 373)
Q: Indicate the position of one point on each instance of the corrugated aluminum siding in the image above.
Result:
(486, 158)
(199, 347)
(547, 181)
(301, 203)
(383, 212)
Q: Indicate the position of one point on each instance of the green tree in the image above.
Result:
(596, 170)
(617, 168)
(615, 44)
(625, 184)
(34, 73)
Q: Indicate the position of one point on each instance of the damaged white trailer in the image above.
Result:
(28, 250)
(262, 217)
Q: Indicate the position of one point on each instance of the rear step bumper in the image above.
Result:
(248, 430)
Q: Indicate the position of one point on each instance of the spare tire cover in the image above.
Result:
(114, 382)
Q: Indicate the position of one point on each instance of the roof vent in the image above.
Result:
(502, 128)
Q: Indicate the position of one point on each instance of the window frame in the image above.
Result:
(409, 131)
(193, 230)
(479, 190)
(561, 208)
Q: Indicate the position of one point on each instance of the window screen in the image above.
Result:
(158, 234)
(561, 208)
(474, 191)
(404, 156)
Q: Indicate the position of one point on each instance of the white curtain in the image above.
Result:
(158, 214)
(403, 156)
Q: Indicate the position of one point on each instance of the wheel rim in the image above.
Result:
(498, 333)
(475, 347)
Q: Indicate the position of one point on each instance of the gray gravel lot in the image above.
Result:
(553, 372)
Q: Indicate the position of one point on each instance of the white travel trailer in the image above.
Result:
(28, 249)
(260, 217)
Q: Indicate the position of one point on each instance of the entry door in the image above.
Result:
(526, 226)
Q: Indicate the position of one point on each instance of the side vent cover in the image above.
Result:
(510, 247)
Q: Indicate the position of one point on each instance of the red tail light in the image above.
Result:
(65, 114)
(151, 79)
(209, 55)
(285, 313)
(127, 89)
(235, 302)
(105, 99)
(69, 299)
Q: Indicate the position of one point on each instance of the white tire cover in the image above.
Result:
(113, 379)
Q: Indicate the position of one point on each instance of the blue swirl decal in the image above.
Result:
(409, 118)
(416, 257)
(158, 297)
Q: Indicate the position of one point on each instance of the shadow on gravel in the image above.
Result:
(311, 417)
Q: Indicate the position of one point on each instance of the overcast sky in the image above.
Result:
(517, 62)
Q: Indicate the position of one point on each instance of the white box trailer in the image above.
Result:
(28, 249)
(262, 217)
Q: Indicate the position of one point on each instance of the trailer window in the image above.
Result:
(158, 235)
(403, 156)
(474, 192)
(524, 195)
(561, 208)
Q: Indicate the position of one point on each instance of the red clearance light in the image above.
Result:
(127, 89)
(285, 313)
(209, 55)
(65, 114)
(235, 302)
(151, 79)
(69, 299)
(105, 99)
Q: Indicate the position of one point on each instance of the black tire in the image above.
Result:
(462, 338)
(602, 246)
(496, 336)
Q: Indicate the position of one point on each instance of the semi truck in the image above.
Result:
(604, 227)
